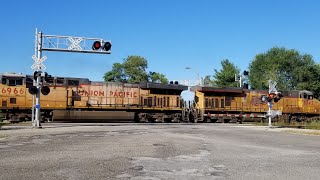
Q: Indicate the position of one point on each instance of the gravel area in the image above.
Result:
(157, 151)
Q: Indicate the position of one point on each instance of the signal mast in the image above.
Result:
(60, 44)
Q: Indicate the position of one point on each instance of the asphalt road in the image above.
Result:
(160, 151)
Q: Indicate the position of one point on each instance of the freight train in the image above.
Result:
(79, 99)
(82, 100)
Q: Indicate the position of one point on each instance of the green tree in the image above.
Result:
(157, 78)
(225, 77)
(207, 81)
(133, 70)
(116, 74)
(290, 69)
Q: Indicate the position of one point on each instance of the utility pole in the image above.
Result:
(199, 80)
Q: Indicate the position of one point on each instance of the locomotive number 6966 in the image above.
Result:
(9, 90)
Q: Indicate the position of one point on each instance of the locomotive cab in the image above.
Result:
(309, 104)
(213, 103)
(12, 90)
(12, 96)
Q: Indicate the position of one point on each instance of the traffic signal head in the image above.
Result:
(96, 45)
(36, 74)
(47, 78)
(107, 46)
(45, 90)
(277, 97)
(33, 90)
(270, 97)
(245, 73)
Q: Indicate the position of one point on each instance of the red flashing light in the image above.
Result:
(271, 95)
(96, 45)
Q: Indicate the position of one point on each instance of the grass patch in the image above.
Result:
(1, 121)
(313, 125)
(28, 123)
(261, 123)
(304, 125)
(5, 123)
(1, 116)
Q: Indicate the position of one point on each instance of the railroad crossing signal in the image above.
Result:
(75, 43)
(272, 86)
(45, 90)
(275, 96)
(60, 44)
(38, 63)
(271, 97)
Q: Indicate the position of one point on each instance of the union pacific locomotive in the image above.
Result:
(79, 99)
(228, 104)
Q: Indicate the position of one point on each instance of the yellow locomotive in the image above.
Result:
(79, 99)
(237, 104)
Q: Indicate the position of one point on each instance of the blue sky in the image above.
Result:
(171, 34)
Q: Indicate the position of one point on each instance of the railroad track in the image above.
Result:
(291, 126)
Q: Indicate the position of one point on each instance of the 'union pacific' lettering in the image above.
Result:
(123, 94)
(90, 93)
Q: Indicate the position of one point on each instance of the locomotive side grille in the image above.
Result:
(4, 103)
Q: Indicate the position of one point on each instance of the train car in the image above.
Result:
(82, 100)
(13, 97)
(228, 104)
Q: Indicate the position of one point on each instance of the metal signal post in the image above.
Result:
(272, 88)
(60, 44)
(273, 96)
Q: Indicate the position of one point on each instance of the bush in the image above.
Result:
(313, 125)
(1, 124)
